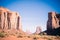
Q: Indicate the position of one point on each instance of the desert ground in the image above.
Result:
(5, 36)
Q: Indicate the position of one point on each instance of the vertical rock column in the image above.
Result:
(13, 20)
(3, 20)
(8, 20)
(18, 22)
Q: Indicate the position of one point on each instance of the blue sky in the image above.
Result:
(33, 12)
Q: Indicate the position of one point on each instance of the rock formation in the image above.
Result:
(53, 20)
(9, 20)
(38, 30)
(53, 24)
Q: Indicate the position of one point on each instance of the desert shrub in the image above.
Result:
(19, 36)
(49, 39)
(35, 38)
(43, 33)
(58, 36)
(2, 34)
(6, 35)
(12, 34)
(28, 36)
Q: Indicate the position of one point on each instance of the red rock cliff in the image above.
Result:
(9, 20)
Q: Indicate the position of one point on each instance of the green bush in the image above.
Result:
(2, 35)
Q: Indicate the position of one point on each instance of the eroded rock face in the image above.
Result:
(53, 20)
(9, 20)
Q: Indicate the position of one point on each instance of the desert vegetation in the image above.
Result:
(2, 35)
(32, 37)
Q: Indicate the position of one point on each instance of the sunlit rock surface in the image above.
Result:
(53, 20)
(9, 20)
(53, 23)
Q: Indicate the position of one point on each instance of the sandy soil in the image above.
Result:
(29, 38)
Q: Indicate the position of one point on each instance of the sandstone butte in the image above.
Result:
(10, 21)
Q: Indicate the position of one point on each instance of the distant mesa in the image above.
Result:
(38, 30)
(9, 20)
